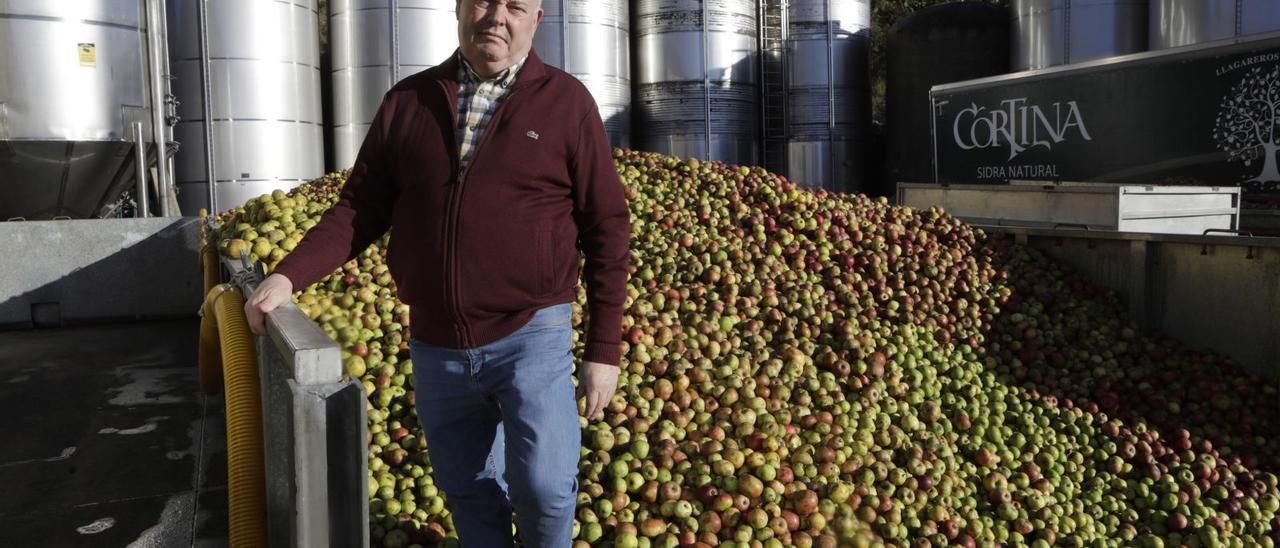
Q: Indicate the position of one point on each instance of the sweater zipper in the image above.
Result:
(455, 202)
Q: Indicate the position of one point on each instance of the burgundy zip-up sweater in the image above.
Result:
(475, 253)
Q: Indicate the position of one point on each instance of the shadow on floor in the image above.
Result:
(108, 441)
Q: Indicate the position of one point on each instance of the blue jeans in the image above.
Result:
(501, 423)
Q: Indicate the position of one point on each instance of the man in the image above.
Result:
(489, 168)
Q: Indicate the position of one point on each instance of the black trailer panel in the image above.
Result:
(939, 44)
(1207, 114)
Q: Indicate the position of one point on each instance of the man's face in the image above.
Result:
(497, 32)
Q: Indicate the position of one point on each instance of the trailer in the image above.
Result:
(1181, 115)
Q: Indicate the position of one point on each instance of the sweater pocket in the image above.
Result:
(545, 244)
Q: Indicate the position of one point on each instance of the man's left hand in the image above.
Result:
(597, 382)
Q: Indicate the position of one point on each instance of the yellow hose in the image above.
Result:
(210, 352)
(209, 264)
(226, 345)
(210, 357)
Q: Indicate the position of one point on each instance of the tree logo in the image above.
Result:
(1248, 125)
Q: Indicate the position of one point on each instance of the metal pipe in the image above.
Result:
(169, 165)
(1066, 33)
(155, 26)
(206, 98)
(171, 102)
(395, 40)
(564, 36)
(784, 34)
(1239, 23)
(706, 83)
(831, 99)
(141, 194)
(762, 13)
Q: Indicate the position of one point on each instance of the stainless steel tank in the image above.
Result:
(591, 39)
(264, 70)
(374, 44)
(696, 91)
(75, 88)
(1057, 32)
(829, 92)
(1176, 23)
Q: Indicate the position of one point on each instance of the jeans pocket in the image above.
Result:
(558, 315)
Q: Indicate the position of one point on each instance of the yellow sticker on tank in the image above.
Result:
(88, 55)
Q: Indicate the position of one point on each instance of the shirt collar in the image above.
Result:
(504, 79)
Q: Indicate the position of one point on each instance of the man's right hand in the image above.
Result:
(272, 292)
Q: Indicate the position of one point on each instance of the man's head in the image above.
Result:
(495, 34)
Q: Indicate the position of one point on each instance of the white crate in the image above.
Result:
(1095, 206)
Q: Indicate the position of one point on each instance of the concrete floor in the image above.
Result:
(107, 440)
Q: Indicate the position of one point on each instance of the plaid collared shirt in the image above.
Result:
(477, 101)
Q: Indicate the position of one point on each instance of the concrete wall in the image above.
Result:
(83, 271)
(1214, 292)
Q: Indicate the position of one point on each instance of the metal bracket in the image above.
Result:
(1248, 253)
(1204, 248)
(1071, 225)
(250, 276)
(171, 109)
(1208, 231)
(1089, 243)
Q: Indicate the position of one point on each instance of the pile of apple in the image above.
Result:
(805, 368)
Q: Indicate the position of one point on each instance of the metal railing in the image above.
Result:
(314, 431)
